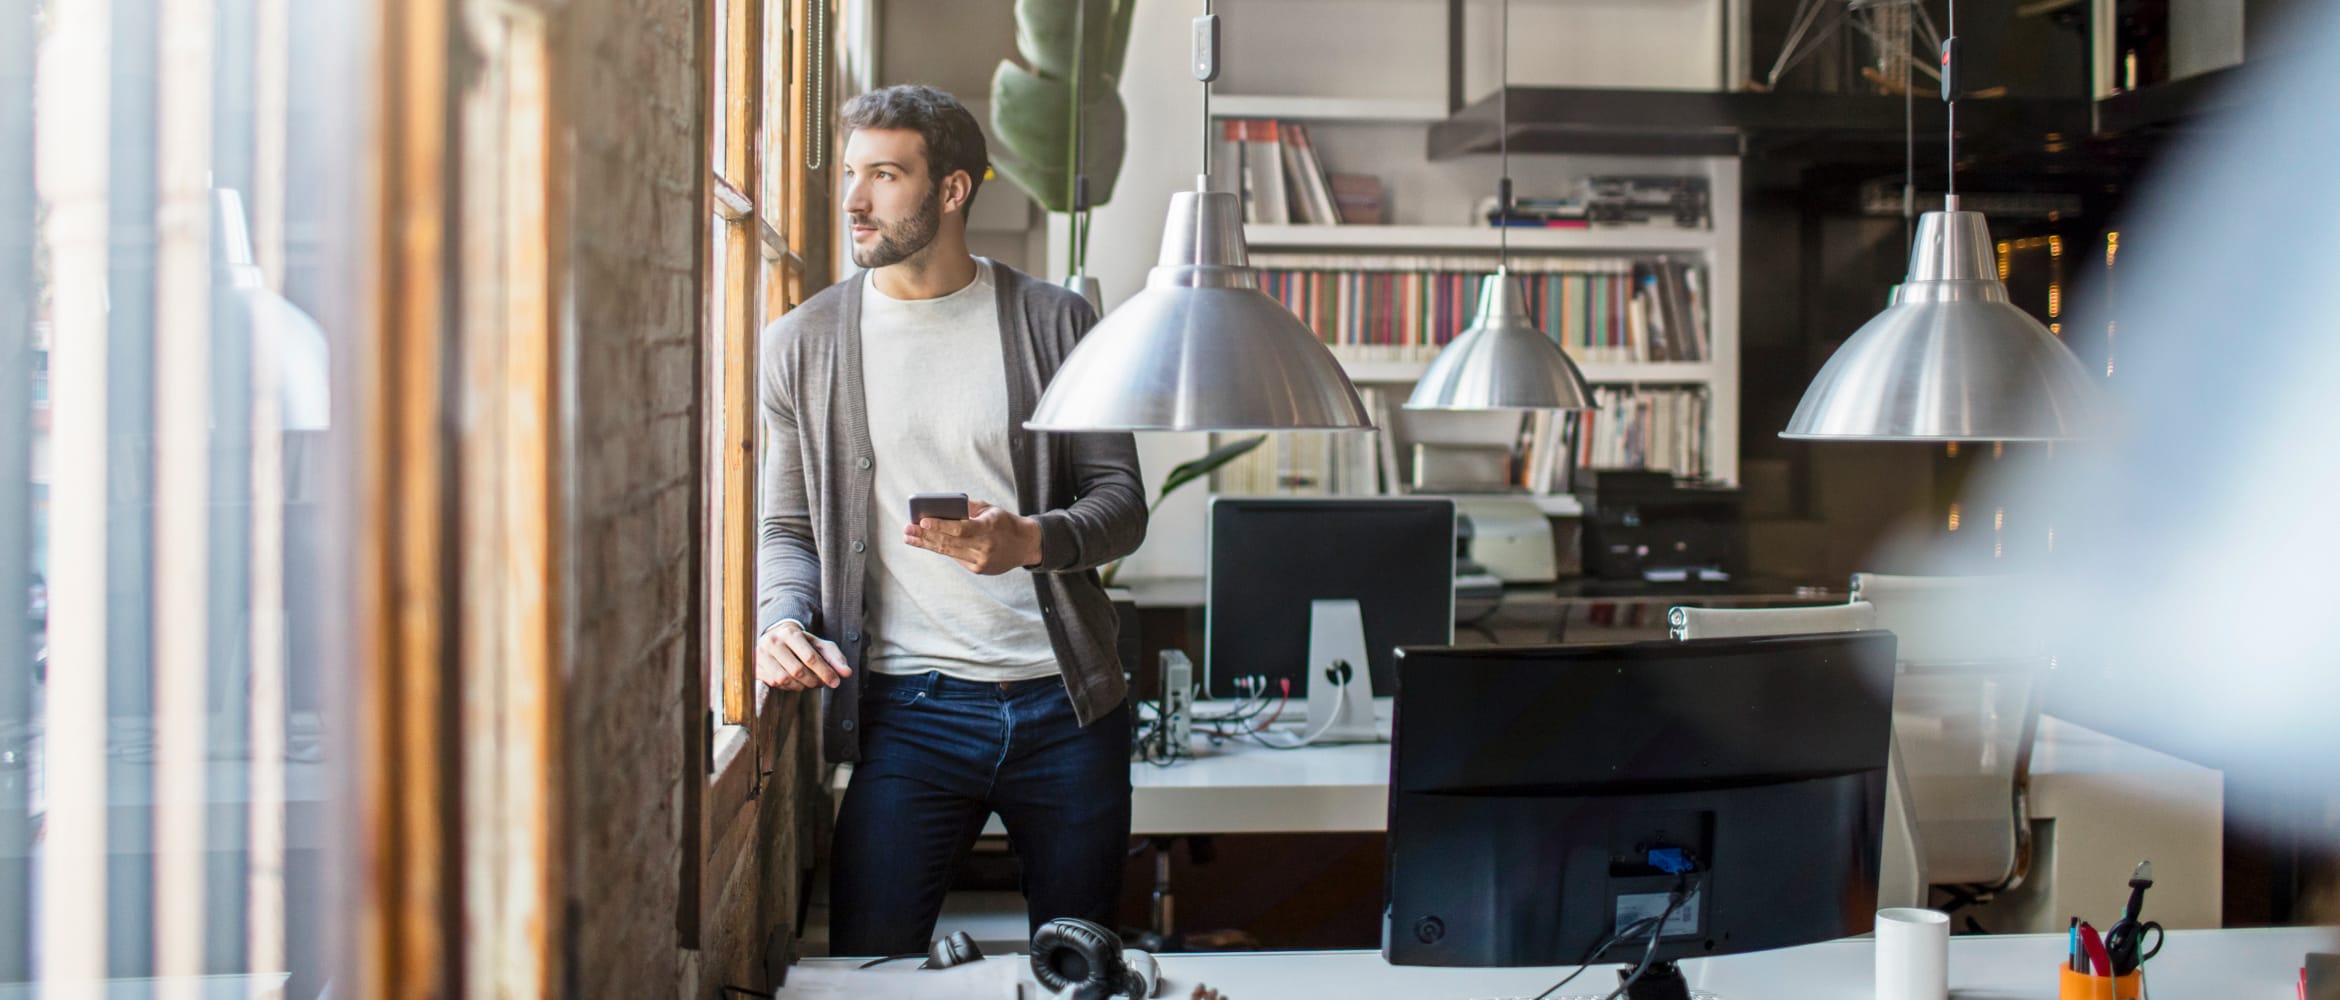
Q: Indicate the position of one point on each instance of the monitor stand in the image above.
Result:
(1662, 981)
(1338, 713)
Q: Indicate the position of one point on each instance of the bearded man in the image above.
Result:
(968, 667)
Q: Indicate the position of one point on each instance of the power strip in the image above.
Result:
(1177, 725)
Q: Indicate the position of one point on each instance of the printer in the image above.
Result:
(1507, 534)
(1645, 525)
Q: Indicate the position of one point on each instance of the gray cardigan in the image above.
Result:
(816, 477)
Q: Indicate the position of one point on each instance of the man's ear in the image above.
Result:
(955, 189)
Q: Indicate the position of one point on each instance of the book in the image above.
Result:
(1310, 183)
(1260, 160)
(1357, 198)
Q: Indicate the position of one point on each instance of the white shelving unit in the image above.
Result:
(1327, 109)
(1368, 78)
(1525, 240)
(1716, 247)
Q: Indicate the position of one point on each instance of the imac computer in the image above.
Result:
(1559, 805)
(1311, 590)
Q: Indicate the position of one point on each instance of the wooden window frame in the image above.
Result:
(737, 745)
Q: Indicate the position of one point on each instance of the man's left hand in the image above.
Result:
(992, 540)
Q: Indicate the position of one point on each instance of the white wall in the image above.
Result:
(955, 45)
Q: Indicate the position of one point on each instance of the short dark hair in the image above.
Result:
(953, 139)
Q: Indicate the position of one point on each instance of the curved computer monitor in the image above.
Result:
(1529, 787)
(1271, 558)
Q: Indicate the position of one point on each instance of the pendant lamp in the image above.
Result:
(1201, 348)
(1950, 358)
(1502, 361)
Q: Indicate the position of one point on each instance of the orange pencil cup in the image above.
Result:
(2084, 986)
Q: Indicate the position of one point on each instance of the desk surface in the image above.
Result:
(2230, 965)
(2261, 964)
(1242, 787)
(1193, 592)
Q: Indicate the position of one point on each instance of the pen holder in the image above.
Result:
(2085, 986)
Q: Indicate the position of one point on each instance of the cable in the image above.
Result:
(1657, 934)
(1597, 951)
(875, 962)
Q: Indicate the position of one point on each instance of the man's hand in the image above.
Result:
(792, 659)
(991, 541)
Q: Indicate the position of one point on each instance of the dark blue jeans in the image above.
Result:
(939, 755)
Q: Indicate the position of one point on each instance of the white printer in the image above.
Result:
(1508, 534)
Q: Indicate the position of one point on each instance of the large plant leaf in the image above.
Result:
(1210, 463)
(1031, 104)
(1030, 118)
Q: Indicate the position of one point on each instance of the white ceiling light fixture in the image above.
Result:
(1502, 362)
(1201, 348)
(1951, 358)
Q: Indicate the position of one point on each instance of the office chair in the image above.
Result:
(1966, 707)
(1903, 880)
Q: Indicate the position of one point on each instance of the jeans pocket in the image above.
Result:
(897, 692)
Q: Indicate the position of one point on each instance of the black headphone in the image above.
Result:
(956, 949)
(1073, 954)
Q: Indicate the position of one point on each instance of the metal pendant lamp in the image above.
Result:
(1502, 361)
(1201, 348)
(1951, 358)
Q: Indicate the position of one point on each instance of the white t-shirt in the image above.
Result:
(934, 380)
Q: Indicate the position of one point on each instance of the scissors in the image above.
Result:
(2125, 941)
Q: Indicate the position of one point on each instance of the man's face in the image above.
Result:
(892, 201)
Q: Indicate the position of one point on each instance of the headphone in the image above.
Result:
(1070, 954)
(957, 949)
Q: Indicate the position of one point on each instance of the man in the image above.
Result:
(969, 665)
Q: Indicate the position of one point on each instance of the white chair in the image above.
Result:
(1902, 882)
(1966, 706)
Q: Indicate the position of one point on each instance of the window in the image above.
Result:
(739, 199)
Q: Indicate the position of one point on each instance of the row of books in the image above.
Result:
(1405, 309)
(1629, 427)
(1319, 463)
(1275, 168)
(1642, 427)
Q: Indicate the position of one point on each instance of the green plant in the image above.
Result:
(1032, 113)
(1189, 472)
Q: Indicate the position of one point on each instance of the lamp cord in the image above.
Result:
(1503, 143)
(1206, 115)
(1950, 98)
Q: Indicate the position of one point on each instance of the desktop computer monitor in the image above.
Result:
(1272, 559)
(1543, 799)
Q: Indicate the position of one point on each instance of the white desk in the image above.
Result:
(2193, 965)
(2103, 805)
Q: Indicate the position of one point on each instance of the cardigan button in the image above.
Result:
(864, 462)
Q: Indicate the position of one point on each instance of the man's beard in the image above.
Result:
(898, 242)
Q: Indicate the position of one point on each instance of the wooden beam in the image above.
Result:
(408, 932)
(182, 460)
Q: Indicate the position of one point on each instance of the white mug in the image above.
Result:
(1913, 954)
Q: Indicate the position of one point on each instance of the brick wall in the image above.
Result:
(632, 77)
(631, 73)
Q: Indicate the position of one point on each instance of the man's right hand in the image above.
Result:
(792, 659)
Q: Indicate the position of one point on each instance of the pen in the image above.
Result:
(2072, 948)
(2096, 953)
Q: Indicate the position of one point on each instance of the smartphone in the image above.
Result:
(940, 506)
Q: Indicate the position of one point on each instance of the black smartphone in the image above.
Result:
(940, 506)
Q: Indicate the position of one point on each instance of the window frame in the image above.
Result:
(742, 735)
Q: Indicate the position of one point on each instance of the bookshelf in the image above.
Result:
(1327, 109)
(1715, 248)
(1605, 240)
(1368, 79)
